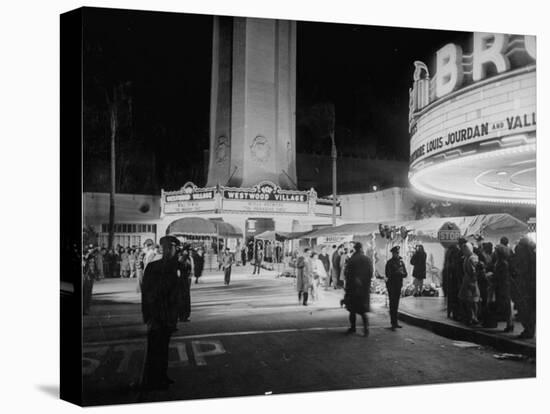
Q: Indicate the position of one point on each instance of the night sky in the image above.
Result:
(163, 62)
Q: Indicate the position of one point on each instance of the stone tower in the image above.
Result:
(253, 102)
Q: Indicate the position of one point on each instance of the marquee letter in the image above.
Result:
(531, 46)
(448, 70)
(483, 54)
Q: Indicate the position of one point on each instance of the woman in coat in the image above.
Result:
(418, 260)
(303, 276)
(525, 285)
(319, 275)
(199, 263)
(125, 263)
(500, 287)
(469, 291)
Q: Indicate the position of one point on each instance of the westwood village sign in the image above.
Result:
(264, 197)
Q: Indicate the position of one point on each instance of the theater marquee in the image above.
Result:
(473, 124)
(264, 198)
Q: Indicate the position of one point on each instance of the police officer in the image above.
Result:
(159, 302)
(395, 273)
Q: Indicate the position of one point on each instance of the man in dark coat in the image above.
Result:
(358, 275)
(159, 305)
(325, 259)
(185, 270)
(524, 264)
(395, 273)
(335, 278)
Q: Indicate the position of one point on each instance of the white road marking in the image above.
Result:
(222, 334)
(199, 353)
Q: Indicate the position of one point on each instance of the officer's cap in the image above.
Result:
(169, 240)
(394, 249)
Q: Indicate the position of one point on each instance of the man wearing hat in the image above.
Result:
(395, 273)
(159, 305)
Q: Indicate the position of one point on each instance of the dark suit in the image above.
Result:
(395, 272)
(159, 304)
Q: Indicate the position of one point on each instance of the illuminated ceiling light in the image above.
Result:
(502, 173)
(416, 176)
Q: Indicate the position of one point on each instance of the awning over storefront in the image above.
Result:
(281, 235)
(356, 229)
(485, 224)
(195, 226)
(226, 230)
(272, 236)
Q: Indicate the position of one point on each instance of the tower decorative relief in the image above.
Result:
(260, 149)
(222, 149)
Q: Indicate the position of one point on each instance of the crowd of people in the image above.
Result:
(485, 283)
(131, 262)
(480, 283)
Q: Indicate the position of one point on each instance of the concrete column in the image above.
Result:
(262, 68)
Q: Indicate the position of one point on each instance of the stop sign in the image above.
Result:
(448, 234)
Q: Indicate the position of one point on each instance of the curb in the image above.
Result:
(465, 334)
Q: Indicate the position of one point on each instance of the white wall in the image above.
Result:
(380, 206)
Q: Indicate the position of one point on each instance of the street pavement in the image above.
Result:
(254, 338)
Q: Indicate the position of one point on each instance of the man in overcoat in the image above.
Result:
(358, 275)
(304, 275)
(159, 304)
(395, 273)
(227, 262)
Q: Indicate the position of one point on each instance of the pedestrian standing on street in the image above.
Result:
(335, 276)
(89, 275)
(227, 262)
(184, 278)
(199, 263)
(319, 275)
(258, 260)
(490, 312)
(116, 262)
(149, 253)
(132, 258)
(303, 275)
(418, 260)
(525, 274)
(500, 287)
(469, 291)
(159, 305)
(243, 255)
(357, 291)
(125, 263)
(325, 259)
(482, 281)
(395, 273)
(140, 267)
(343, 260)
(100, 263)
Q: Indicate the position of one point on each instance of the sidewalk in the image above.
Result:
(430, 313)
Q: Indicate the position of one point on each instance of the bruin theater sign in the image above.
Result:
(264, 197)
(473, 98)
